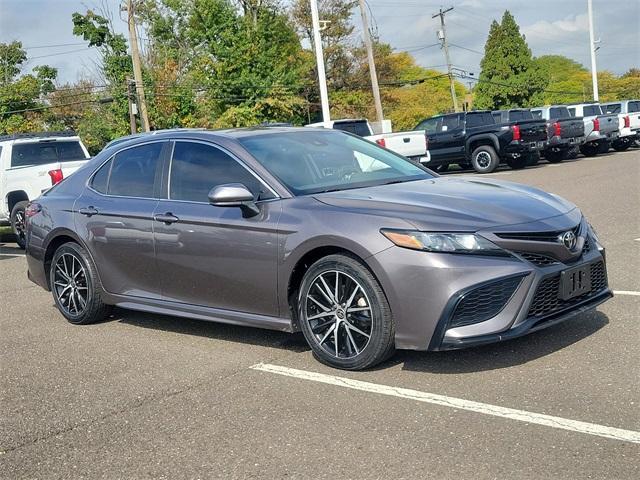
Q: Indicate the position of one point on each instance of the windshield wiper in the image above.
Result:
(391, 182)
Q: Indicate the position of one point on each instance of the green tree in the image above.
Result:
(509, 76)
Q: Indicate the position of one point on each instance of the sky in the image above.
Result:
(550, 27)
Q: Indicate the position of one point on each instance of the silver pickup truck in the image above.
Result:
(600, 129)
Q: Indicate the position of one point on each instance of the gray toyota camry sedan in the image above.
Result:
(319, 231)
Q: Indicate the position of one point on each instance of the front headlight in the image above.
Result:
(443, 242)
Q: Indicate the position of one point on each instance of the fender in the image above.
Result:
(482, 136)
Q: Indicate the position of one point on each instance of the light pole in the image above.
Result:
(322, 76)
(592, 47)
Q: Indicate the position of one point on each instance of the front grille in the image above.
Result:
(485, 302)
(537, 236)
(547, 301)
(538, 259)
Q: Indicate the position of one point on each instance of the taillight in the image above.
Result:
(596, 125)
(381, 142)
(627, 122)
(556, 129)
(32, 209)
(56, 176)
(516, 132)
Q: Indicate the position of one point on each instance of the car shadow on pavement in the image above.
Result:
(504, 354)
(214, 330)
(10, 250)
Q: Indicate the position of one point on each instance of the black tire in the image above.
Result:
(484, 159)
(604, 147)
(621, 145)
(554, 156)
(518, 163)
(589, 149)
(94, 310)
(572, 153)
(533, 159)
(356, 352)
(18, 223)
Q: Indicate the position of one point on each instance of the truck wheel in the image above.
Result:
(533, 159)
(518, 163)
(589, 149)
(554, 156)
(572, 153)
(18, 223)
(621, 145)
(484, 159)
(603, 147)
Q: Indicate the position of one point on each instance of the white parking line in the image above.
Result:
(442, 400)
(626, 292)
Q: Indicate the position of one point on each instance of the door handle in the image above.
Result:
(166, 218)
(88, 211)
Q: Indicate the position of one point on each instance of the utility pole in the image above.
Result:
(592, 47)
(137, 69)
(442, 36)
(372, 64)
(322, 76)
(131, 95)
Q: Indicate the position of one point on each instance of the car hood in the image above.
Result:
(458, 204)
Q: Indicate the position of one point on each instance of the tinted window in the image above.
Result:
(431, 125)
(197, 168)
(134, 171)
(559, 112)
(41, 153)
(359, 128)
(572, 112)
(101, 178)
(592, 110)
(479, 119)
(450, 122)
(536, 113)
(517, 115)
(497, 117)
(612, 108)
(320, 161)
(633, 107)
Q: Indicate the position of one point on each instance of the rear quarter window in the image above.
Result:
(42, 153)
(592, 110)
(634, 107)
(559, 112)
(536, 114)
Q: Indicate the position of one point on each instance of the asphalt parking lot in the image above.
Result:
(151, 396)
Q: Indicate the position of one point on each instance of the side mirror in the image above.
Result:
(234, 195)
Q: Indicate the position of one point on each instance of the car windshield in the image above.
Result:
(322, 161)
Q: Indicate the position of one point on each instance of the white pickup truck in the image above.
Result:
(412, 145)
(628, 112)
(600, 129)
(31, 163)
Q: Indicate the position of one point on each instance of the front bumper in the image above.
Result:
(425, 290)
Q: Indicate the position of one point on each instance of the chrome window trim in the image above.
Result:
(223, 150)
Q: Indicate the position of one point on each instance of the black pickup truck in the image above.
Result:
(473, 139)
(531, 131)
(565, 133)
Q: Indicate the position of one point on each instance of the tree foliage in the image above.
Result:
(509, 77)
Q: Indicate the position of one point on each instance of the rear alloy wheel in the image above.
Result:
(533, 159)
(555, 156)
(344, 314)
(590, 149)
(484, 159)
(76, 287)
(18, 223)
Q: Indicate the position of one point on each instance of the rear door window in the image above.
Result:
(479, 119)
(559, 112)
(572, 112)
(612, 108)
(44, 152)
(536, 114)
(450, 122)
(517, 115)
(634, 107)
(134, 171)
(592, 110)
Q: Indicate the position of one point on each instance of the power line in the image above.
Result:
(54, 46)
(466, 48)
(46, 107)
(59, 53)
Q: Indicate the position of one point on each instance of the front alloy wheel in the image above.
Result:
(344, 314)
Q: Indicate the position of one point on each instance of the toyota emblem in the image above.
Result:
(569, 240)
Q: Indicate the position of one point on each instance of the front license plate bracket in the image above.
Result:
(575, 282)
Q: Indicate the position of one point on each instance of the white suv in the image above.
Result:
(31, 163)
